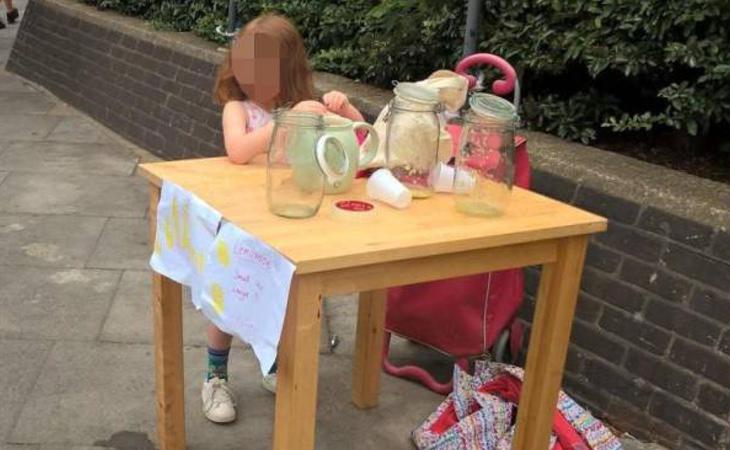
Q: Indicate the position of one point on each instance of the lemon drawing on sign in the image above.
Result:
(216, 293)
(175, 219)
(221, 249)
(186, 244)
(169, 238)
(198, 260)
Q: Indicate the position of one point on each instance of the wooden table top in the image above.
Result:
(429, 227)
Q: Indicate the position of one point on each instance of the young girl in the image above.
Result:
(266, 68)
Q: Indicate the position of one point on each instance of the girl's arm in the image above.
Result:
(242, 147)
(338, 103)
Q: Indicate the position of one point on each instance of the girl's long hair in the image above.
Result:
(295, 72)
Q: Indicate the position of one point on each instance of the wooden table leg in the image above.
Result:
(169, 381)
(297, 367)
(549, 340)
(368, 348)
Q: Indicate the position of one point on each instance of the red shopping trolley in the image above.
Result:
(467, 316)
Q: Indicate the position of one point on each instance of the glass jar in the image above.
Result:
(412, 137)
(485, 163)
(300, 156)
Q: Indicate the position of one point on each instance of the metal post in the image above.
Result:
(471, 33)
(230, 30)
(231, 16)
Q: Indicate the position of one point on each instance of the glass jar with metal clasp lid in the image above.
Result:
(412, 137)
(485, 162)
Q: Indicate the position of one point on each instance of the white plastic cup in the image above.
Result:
(384, 187)
(442, 178)
(464, 182)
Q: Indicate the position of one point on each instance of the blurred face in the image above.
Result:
(256, 61)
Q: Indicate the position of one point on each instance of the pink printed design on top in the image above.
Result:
(257, 116)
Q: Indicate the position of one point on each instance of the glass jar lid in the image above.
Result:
(493, 108)
(416, 93)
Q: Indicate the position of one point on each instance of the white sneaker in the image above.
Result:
(219, 405)
(269, 382)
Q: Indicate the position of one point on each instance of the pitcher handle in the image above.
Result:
(370, 145)
(333, 174)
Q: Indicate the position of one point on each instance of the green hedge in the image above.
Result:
(587, 66)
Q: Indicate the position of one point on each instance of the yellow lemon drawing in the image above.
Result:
(216, 293)
(186, 244)
(198, 260)
(169, 239)
(222, 251)
(175, 219)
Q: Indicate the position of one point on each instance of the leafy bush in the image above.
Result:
(586, 66)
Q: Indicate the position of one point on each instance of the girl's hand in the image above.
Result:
(310, 106)
(335, 101)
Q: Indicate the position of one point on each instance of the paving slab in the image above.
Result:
(98, 195)
(78, 129)
(78, 377)
(44, 303)
(26, 102)
(63, 109)
(13, 83)
(2, 174)
(26, 127)
(21, 364)
(47, 240)
(130, 316)
(67, 158)
(86, 392)
(123, 245)
(341, 314)
(57, 447)
(5, 44)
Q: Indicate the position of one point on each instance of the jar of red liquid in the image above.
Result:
(485, 162)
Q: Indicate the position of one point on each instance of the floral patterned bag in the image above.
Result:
(480, 412)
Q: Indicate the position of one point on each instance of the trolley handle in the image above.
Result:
(500, 87)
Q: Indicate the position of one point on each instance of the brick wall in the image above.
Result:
(651, 341)
(151, 94)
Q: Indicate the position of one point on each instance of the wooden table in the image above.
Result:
(429, 241)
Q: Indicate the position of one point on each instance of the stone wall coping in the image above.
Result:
(701, 200)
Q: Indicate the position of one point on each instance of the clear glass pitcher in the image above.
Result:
(412, 137)
(297, 164)
(485, 163)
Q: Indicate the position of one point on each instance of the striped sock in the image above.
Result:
(217, 363)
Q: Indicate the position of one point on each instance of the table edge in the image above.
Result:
(145, 171)
(599, 225)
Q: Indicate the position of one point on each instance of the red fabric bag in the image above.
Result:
(455, 316)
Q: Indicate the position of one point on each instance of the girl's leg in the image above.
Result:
(219, 404)
(219, 346)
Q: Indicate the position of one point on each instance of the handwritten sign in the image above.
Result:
(186, 230)
(246, 288)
